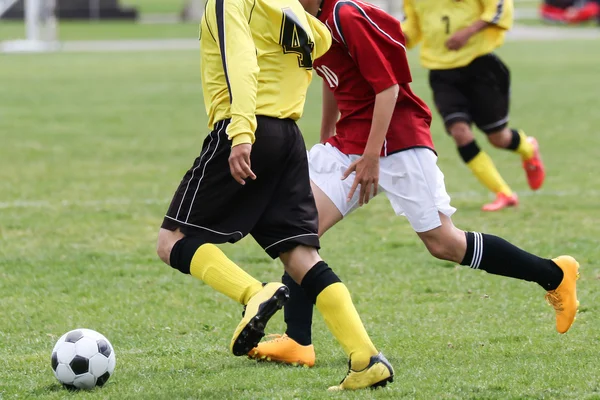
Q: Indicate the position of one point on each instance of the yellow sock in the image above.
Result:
(212, 266)
(525, 148)
(335, 305)
(484, 169)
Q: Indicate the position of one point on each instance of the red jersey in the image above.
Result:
(368, 55)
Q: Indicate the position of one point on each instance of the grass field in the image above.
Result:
(106, 30)
(92, 147)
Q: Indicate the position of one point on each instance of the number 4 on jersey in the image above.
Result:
(294, 39)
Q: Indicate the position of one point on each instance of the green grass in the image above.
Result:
(111, 30)
(92, 147)
(542, 23)
(156, 6)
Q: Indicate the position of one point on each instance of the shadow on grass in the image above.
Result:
(52, 388)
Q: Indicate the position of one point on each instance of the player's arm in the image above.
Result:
(498, 13)
(330, 113)
(495, 13)
(371, 49)
(238, 55)
(385, 103)
(410, 24)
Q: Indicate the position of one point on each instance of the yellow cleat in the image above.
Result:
(284, 349)
(377, 374)
(564, 297)
(261, 307)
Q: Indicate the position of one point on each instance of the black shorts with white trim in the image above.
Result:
(478, 93)
(278, 208)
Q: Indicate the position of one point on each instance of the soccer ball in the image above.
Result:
(83, 359)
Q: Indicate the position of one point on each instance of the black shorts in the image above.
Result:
(478, 92)
(278, 208)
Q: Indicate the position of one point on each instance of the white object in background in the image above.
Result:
(40, 28)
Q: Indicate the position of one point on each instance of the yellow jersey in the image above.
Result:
(256, 59)
(432, 22)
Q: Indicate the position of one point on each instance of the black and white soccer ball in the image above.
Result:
(83, 359)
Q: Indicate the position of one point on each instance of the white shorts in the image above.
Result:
(411, 180)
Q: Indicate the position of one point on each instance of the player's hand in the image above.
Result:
(239, 163)
(459, 39)
(367, 176)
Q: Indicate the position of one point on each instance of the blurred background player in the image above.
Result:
(470, 84)
(382, 142)
(251, 176)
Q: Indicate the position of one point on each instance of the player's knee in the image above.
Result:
(500, 138)
(163, 251)
(461, 133)
(299, 261)
(165, 243)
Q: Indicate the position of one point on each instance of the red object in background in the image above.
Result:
(589, 11)
(552, 13)
(571, 15)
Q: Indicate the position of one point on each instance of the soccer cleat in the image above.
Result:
(534, 167)
(502, 201)
(377, 374)
(259, 310)
(564, 297)
(284, 349)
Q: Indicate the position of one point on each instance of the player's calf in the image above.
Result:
(446, 242)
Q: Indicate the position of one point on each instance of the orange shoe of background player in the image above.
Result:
(283, 349)
(502, 201)
(564, 297)
(534, 167)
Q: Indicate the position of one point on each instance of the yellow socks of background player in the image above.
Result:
(208, 263)
(483, 168)
(520, 144)
(334, 303)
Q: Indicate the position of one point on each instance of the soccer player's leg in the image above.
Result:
(497, 256)
(206, 210)
(452, 101)
(367, 367)
(326, 165)
(289, 230)
(427, 207)
(491, 101)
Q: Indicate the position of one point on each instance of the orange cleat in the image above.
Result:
(534, 167)
(564, 297)
(284, 349)
(502, 201)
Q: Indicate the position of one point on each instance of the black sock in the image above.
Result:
(183, 251)
(515, 141)
(297, 312)
(317, 279)
(469, 151)
(497, 256)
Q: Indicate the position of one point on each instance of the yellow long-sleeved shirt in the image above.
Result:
(432, 22)
(256, 59)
